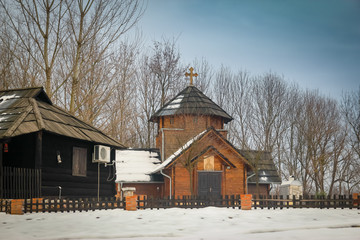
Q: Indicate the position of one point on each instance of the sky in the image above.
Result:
(315, 44)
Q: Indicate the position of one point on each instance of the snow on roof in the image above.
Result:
(175, 154)
(7, 97)
(174, 104)
(134, 165)
(4, 100)
(291, 182)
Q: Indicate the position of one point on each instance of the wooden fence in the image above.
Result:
(233, 201)
(4, 205)
(20, 183)
(335, 201)
(70, 205)
(189, 202)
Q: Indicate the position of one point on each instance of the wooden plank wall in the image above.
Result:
(55, 174)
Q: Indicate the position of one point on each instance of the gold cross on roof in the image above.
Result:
(191, 75)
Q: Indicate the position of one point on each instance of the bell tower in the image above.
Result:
(185, 116)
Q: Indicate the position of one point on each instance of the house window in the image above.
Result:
(79, 161)
(171, 119)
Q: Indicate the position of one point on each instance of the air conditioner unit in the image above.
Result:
(101, 154)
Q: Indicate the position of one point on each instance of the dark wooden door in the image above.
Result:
(209, 184)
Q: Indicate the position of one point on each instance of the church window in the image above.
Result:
(171, 119)
(209, 163)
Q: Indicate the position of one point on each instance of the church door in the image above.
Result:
(209, 184)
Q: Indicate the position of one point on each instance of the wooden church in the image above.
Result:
(192, 155)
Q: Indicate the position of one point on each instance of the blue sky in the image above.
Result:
(315, 43)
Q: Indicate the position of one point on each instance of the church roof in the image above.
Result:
(263, 162)
(191, 101)
(30, 110)
(177, 153)
(190, 143)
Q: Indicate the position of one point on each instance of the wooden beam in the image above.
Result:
(18, 121)
(38, 117)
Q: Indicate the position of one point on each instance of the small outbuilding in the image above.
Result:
(291, 188)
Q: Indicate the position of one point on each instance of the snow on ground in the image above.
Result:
(175, 223)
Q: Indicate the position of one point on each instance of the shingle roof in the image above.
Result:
(24, 111)
(263, 162)
(191, 101)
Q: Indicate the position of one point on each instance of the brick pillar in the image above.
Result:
(356, 199)
(246, 201)
(130, 203)
(17, 206)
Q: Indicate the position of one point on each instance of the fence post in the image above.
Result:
(246, 201)
(131, 203)
(17, 206)
(355, 199)
(293, 201)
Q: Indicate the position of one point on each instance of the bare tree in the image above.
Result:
(7, 60)
(270, 97)
(324, 139)
(148, 101)
(240, 109)
(38, 27)
(81, 33)
(351, 111)
(205, 75)
(95, 26)
(122, 101)
(166, 67)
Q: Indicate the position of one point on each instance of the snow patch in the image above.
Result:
(264, 178)
(134, 165)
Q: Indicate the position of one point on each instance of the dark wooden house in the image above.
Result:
(45, 151)
(196, 157)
